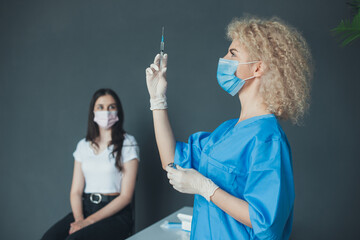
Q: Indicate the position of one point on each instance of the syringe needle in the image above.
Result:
(162, 47)
(162, 35)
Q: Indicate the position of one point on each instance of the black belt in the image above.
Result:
(98, 197)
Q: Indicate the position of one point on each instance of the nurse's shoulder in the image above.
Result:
(265, 129)
(268, 129)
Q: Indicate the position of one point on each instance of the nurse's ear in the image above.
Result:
(259, 69)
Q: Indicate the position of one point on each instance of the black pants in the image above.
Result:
(116, 227)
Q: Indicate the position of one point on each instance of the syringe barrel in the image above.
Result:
(161, 58)
(162, 47)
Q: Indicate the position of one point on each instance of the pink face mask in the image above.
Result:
(106, 119)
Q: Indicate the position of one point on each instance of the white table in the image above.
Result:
(156, 232)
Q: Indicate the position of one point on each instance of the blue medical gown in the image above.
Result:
(251, 161)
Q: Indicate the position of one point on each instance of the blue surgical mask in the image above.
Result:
(226, 76)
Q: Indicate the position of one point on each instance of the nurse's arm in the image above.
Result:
(235, 207)
(164, 137)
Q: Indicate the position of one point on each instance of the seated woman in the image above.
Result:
(105, 169)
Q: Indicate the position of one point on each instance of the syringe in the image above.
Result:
(162, 46)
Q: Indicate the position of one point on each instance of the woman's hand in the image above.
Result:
(76, 226)
(191, 181)
(156, 83)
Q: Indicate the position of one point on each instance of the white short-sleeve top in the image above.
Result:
(100, 172)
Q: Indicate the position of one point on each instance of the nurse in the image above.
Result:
(241, 173)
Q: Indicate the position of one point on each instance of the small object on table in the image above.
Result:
(168, 225)
(185, 221)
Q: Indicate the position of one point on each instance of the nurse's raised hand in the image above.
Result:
(191, 181)
(156, 83)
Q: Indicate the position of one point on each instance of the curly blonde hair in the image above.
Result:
(285, 84)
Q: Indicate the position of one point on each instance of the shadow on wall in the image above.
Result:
(150, 181)
(154, 196)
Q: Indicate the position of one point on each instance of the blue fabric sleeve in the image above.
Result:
(187, 155)
(269, 189)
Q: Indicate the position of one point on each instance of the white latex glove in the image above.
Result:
(191, 181)
(156, 83)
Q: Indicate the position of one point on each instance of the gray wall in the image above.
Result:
(55, 54)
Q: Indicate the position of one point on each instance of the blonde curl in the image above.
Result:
(285, 84)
